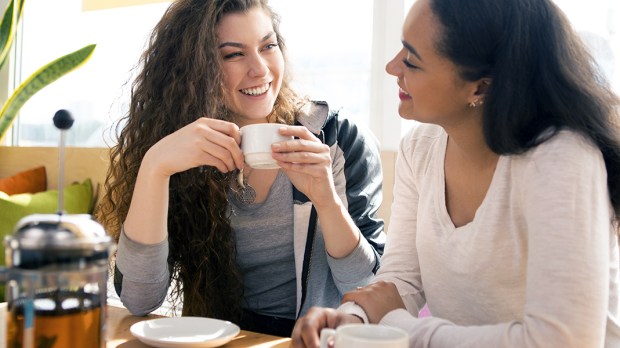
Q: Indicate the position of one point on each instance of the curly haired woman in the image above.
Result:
(310, 235)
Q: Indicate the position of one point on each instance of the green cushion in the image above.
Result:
(78, 199)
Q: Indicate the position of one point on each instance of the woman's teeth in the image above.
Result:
(256, 90)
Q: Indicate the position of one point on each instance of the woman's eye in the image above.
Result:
(409, 65)
(233, 55)
(271, 45)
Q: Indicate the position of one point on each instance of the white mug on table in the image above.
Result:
(365, 336)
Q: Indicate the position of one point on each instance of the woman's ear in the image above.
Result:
(482, 87)
(479, 92)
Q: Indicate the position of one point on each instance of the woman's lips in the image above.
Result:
(257, 90)
(403, 95)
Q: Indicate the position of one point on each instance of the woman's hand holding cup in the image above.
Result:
(308, 164)
(307, 328)
(205, 141)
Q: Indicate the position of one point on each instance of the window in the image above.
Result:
(598, 23)
(327, 63)
(97, 92)
(329, 53)
(337, 52)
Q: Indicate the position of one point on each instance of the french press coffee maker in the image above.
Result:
(56, 276)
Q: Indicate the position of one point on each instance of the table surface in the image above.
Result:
(120, 320)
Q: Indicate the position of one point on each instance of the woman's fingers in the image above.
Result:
(213, 153)
(217, 163)
(306, 332)
(307, 328)
(203, 142)
(306, 149)
(223, 139)
(225, 127)
(300, 132)
(301, 157)
(298, 145)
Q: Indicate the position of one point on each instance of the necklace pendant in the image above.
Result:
(246, 195)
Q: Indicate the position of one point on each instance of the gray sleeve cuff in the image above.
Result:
(354, 269)
(142, 263)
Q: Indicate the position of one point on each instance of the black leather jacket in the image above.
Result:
(356, 168)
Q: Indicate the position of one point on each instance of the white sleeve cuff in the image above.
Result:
(353, 308)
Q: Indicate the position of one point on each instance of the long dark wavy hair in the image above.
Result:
(181, 80)
(542, 75)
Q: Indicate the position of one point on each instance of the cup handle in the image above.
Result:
(326, 336)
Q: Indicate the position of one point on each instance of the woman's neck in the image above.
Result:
(241, 121)
(468, 143)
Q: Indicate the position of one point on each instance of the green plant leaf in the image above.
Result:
(8, 27)
(39, 79)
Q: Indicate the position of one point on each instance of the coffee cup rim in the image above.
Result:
(266, 124)
(393, 329)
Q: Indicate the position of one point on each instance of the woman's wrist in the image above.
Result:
(150, 167)
(333, 204)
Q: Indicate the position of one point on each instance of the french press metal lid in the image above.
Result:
(67, 241)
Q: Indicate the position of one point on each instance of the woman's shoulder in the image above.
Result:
(314, 115)
(421, 147)
(424, 130)
(421, 137)
(317, 114)
(565, 151)
(568, 144)
(335, 125)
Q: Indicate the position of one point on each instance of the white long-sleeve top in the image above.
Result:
(537, 267)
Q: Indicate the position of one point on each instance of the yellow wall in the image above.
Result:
(80, 163)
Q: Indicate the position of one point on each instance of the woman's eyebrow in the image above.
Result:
(240, 45)
(268, 36)
(412, 50)
(231, 44)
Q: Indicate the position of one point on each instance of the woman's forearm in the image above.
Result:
(340, 233)
(147, 217)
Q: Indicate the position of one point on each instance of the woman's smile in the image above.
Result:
(257, 90)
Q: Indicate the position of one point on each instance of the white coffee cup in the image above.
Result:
(365, 336)
(256, 140)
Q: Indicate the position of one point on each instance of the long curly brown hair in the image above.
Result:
(181, 80)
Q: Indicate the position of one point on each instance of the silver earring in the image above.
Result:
(475, 103)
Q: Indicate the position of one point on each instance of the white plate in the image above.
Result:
(185, 332)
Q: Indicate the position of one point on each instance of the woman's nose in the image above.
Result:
(393, 67)
(258, 66)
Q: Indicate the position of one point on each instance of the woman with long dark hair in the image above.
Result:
(507, 194)
(177, 191)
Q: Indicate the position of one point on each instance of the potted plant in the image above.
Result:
(40, 78)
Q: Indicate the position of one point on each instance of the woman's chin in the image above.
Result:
(407, 113)
(252, 118)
